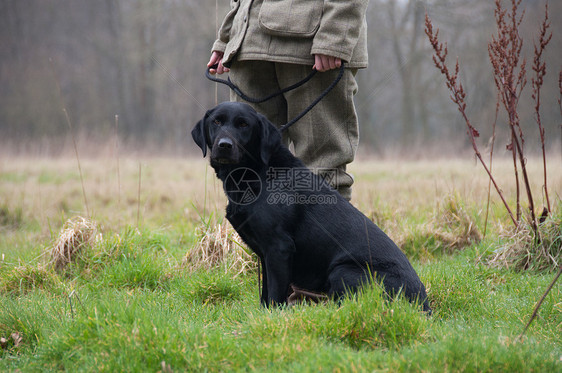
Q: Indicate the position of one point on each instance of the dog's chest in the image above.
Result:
(241, 218)
(245, 226)
(236, 214)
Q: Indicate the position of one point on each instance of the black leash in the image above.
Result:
(253, 100)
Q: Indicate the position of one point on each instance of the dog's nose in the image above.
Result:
(225, 142)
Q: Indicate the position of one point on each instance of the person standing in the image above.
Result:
(267, 45)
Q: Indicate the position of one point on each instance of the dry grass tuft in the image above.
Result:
(75, 235)
(454, 227)
(220, 245)
(524, 250)
(450, 229)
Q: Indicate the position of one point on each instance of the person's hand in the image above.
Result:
(216, 58)
(324, 63)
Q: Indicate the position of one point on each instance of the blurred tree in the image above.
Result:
(144, 61)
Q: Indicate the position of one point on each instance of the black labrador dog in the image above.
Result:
(305, 234)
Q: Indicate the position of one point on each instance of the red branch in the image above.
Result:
(510, 78)
(458, 97)
(560, 101)
(539, 67)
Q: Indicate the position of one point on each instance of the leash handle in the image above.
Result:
(317, 100)
(254, 100)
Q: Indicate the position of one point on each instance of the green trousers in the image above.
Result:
(326, 138)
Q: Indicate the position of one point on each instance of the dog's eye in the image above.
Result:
(218, 122)
(243, 124)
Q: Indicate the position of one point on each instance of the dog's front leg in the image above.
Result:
(278, 270)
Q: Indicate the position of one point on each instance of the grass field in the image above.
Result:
(133, 302)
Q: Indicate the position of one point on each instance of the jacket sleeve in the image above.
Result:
(224, 31)
(340, 28)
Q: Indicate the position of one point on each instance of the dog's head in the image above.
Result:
(235, 133)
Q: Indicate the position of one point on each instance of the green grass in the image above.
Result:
(213, 321)
(130, 303)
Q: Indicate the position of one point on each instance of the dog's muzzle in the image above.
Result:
(225, 143)
(224, 151)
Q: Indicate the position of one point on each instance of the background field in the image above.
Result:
(144, 61)
(132, 302)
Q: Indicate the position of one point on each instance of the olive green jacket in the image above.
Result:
(293, 31)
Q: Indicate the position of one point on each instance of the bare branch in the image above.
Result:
(539, 67)
(458, 97)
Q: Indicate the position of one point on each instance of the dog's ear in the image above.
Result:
(270, 138)
(199, 134)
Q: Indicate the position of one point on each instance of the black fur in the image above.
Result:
(319, 242)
